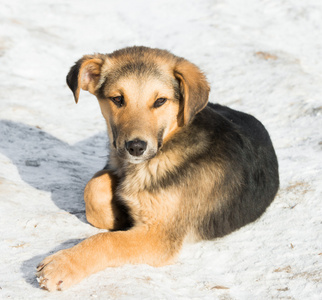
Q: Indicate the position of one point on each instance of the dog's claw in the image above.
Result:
(59, 285)
(42, 282)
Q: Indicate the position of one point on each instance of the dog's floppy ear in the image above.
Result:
(85, 75)
(194, 88)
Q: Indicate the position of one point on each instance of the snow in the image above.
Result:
(262, 57)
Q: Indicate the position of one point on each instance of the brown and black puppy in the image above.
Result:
(178, 168)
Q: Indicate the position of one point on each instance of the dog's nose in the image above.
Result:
(136, 147)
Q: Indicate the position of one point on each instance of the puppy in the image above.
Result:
(178, 167)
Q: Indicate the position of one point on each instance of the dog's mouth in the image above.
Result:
(126, 156)
(136, 152)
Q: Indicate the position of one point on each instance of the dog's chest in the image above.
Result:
(145, 197)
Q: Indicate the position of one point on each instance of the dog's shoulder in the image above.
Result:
(247, 124)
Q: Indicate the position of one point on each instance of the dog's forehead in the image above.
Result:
(141, 68)
(144, 88)
(136, 75)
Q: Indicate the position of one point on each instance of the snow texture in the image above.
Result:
(262, 57)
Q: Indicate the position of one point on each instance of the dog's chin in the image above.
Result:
(137, 159)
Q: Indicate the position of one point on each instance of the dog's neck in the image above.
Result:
(158, 171)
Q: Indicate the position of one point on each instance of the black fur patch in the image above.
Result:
(72, 77)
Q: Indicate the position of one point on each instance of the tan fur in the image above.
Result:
(89, 76)
(191, 92)
(162, 217)
(67, 267)
(98, 196)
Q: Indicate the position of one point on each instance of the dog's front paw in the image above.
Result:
(59, 271)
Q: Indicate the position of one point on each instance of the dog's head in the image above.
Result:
(145, 96)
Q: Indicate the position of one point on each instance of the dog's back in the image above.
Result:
(242, 147)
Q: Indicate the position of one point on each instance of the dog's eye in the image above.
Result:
(159, 102)
(118, 101)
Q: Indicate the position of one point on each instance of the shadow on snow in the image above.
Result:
(49, 164)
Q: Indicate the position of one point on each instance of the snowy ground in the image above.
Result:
(262, 57)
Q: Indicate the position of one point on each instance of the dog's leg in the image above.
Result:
(98, 195)
(143, 244)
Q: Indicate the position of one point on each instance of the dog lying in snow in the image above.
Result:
(179, 168)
